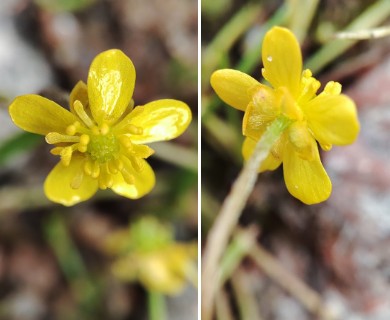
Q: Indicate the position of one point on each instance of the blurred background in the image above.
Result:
(52, 262)
(333, 257)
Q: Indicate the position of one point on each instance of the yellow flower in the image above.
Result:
(329, 118)
(101, 139)
(147, 252)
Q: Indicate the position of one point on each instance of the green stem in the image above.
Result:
(156, 306)
(237, 249)
(230, 212)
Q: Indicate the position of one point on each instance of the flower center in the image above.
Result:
(106, 151)
(103, 148)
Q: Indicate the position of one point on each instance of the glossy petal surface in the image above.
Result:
(143, 182)
(333, 119)
(111, 81)
(57, 185)
(305, 180)
(270, 163)
(39, 115)
(282, 60)
(233, 87)
(160, 120)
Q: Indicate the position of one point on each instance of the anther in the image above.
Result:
(77, 180)
(55, 137)
(129, 178)
(71, 130)
(307, 73)
(118, 164)
(134, 129)
(104, 129)
(95, 130)
(332, 88)
(142, 151)
(111, 167)
(137, 164)
(79, 108)
(88, 168)
(95, 170)
(66, 156)
(56, 151)
(125, 141)
(84, 139)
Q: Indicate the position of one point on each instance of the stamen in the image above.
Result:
(104, 129)
(95, 170)
(307, 73)
(95, 130)
(79, 108)
(84, 139)
(128, 177)
(125, 141)
(118, 164)
(134, 129)
(142, 151)
(101, 183)
(77, 180)
(326, 146)
(105, 179)
(332, 88)
(111, 168)
(56, 151)
(71, 130)
(137, 163)
(66, 155)
(108, 177)
(55, 137)
(82, 148)
(88, 168)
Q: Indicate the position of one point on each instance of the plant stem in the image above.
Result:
(230, 212)
(309, 298)
(156, 306)
(371, 17)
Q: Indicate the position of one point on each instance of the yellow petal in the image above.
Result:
(333, 119)
(305, 180)
(111, 81)
(282, 60)
(262, 109)
(160, 120)
(37, 114)
(58, 183)
(143, 181)
(272, 162)
(156, 275)
(302, 140)
(233, 87)
(80, 93)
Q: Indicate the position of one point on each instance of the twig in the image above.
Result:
(223, 307)
(309, 298)
(238, 248)
(371, 17)
(248, 306)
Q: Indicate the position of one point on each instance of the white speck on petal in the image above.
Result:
(269, 58)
